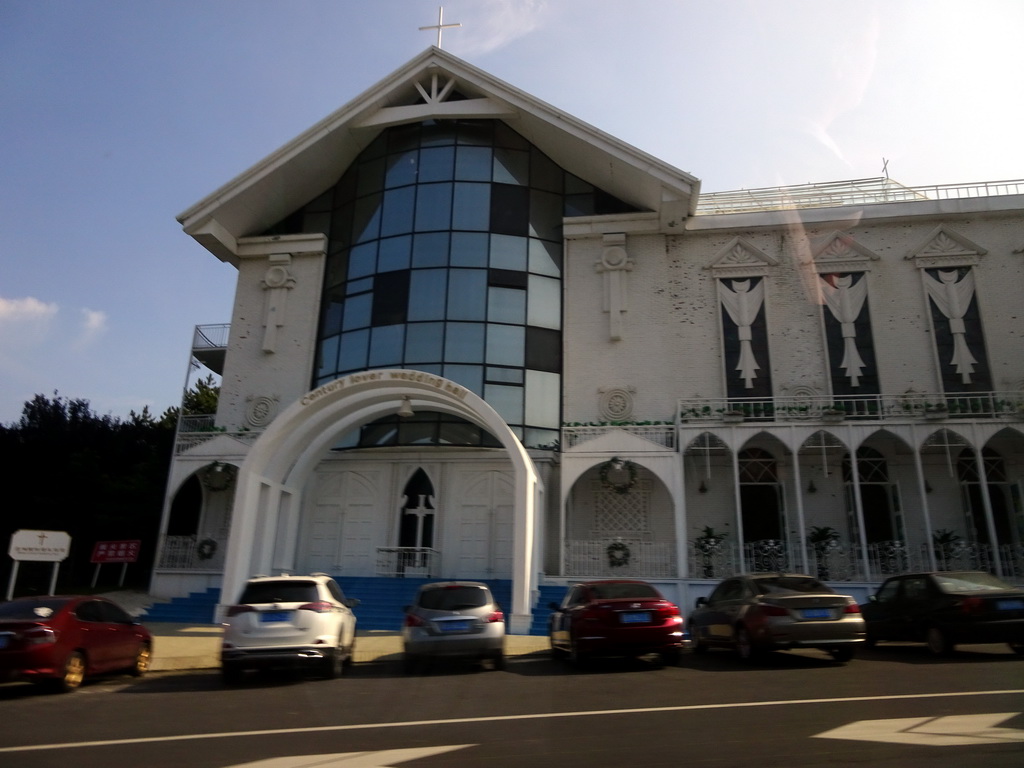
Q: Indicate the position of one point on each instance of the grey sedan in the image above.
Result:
(453, 619)
(776, 611)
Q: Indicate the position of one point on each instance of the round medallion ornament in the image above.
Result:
(261, 411)
(616, 404)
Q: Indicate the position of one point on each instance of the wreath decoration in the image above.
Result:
(618, 554)
(617, 464)
(206, 549)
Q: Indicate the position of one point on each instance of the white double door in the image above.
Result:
(347, 522)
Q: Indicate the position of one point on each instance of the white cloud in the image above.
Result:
(25, 322)
(496, 23)
(93, 325)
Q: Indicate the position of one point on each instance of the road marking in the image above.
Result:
(384, 758)
(951, 731)
(497, 719)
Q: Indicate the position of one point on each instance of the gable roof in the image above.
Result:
(312, 162)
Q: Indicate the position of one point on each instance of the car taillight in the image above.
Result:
(40, 636)
(972, 605)
(852, 608)
(495, 617)
(411, 620)
(669, 612)
(774, 610)
(320, 606)
(234, 610)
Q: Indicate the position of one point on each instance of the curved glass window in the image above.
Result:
(445, 255)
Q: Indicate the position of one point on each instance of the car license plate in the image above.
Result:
(816, 613)
(641, 617)
(1010, 605)
(454, 626)
(269, 616)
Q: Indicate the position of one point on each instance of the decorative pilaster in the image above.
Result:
(615, 265)
(277, 282)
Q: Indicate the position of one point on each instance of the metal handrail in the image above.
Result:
(854, 192)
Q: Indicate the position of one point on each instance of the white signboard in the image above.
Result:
(41, 546)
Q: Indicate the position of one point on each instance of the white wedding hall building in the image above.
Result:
(475, 337)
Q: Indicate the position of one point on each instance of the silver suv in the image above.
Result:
(289, 621)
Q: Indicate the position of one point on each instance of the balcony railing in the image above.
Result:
(660, 436)
(211, 336)
(185, 553)
(620, 557)
(909, 406)
(838, 193)
(838, 561)
(408, 561)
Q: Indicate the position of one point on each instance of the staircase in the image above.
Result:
(197, 608)
(380, 603)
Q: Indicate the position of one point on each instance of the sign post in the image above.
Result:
(38, 546)
(122, 552)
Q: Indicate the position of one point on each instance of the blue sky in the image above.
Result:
(117, 115)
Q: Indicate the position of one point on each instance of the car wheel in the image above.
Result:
(72, 673)
(937, 641)
(671, 657)
(350, 657)
(498, 660)
(576, 657)
(699, 645)
(333, 663)
(841, 654)
(870, 639)
(231, 674)
(745, 648)
(142, 659)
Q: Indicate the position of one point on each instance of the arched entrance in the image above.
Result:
(273, 477)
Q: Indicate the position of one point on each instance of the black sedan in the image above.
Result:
(946, 608)
(776, 611)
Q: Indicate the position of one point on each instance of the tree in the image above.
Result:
(201, 399)
(96, 477)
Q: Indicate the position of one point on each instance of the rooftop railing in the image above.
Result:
(839, 193)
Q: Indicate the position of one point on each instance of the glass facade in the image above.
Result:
(445, 255)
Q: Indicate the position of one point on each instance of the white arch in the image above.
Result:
(272, 478)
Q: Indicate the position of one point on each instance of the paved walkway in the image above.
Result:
(185, 646)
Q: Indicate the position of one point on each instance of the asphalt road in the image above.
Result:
(711, 710)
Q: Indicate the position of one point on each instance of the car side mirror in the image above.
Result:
(351, 602)
(873, 599)
(554, 606)
(701, 601)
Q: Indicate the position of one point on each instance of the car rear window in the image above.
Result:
(279, 592)
(31, 610)
(614, 591)
(969, 582)
(453, 598)
(779, 584)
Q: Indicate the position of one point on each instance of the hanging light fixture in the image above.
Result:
(405, 409)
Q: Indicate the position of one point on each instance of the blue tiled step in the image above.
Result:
(197, 608)
(380, 603)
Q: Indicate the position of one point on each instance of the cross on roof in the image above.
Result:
(440, 25)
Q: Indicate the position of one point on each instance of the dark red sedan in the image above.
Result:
(59, 640)
(615, 618)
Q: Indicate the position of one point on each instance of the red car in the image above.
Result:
(615, 618)
(59, 640)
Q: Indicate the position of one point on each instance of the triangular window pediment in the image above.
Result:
(945, 248)
(741, 258)
(840, 252)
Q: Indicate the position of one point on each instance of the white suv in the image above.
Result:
(297, 621)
